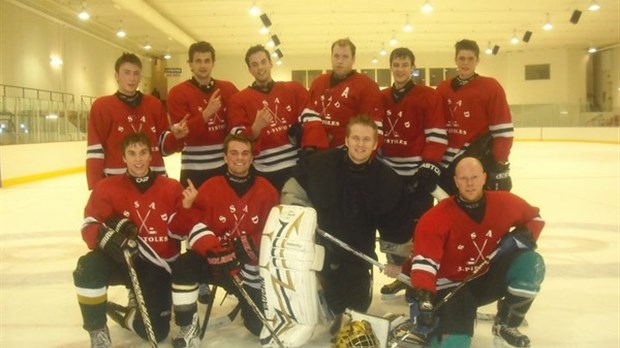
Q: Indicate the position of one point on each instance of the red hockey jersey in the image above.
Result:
(109, 123)
(475, 109)
(448, 244)
(356, 94)
(158, 213)
(204, 144)
(225, 215)
(287, 102)
(413, 129)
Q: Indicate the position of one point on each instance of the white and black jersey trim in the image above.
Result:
(199, 230)
(436, 135)
(504, 130)
(202, 157)
(278, 158)
(403, 166)
(95, 151)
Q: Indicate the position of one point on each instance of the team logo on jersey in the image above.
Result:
(164, 217)
(345, 93)
(255, 219)
(125, 213)
(407, 124)
(121, 129)
(222, 219)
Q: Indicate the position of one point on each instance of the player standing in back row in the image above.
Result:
(205, 100)
(414, 140)
(343, 93)
(478, 120)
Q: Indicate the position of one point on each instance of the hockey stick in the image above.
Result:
(205, 322)
(135, 283)
(256, 310)
(467, 279)
(401, 276)
(225, 319)
(439, 194)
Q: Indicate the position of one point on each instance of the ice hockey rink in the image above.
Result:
(576, 186)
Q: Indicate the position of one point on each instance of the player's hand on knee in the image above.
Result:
(498, 178)
(223, 263)
(114, 243)
(421, 312)
(124, 226)
(245, 250)
(519, 238)
(426, 177)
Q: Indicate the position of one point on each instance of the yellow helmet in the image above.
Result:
(356, 334)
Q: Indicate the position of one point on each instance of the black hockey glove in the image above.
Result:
(499, 177)
(307, 151)
(124, 226)
(421, 313)
(114, 244)
(245, 250)
(223, 265)
(295, 133)
(519, 238)
(426, 177)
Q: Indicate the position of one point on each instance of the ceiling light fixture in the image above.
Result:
(278, 62)
(167, 56)
(84, 15)
(254, 10)
(147, 46)
(374, 60)
(488, 50)
(407, 28)
(592, 49)
(383, 51)
(121, 32)
(55, 61)
(594, 6)
(547, 26)
(276, 40)
(515, 39)
(263, 30)
(393, 40)
(279, 53)
(427, 7)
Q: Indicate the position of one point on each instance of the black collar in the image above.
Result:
(398, 94)
(474, 210)
(333, 80)
(143, 183)
(264, 89)
(457, 82)
(208, 88)
(133, 101)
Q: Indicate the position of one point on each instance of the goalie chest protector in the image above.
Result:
(289, 261)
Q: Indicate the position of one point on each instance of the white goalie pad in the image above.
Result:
(289, 260)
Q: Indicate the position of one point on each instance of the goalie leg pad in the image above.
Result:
(289, 260)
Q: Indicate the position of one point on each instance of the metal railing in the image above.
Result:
(30, 115)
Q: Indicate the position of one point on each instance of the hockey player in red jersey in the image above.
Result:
(205, 100)
(414, 140)
(226, 239)
(144, 213)
(343, 93)
(478, 120)
(269, 113)
(128, 110)
(460, 234)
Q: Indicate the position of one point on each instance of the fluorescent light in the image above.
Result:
(594, 6)
(547, 26)
(427, 7)
(55, 61)
(254, 11)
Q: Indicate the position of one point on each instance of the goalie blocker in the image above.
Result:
(289, 261)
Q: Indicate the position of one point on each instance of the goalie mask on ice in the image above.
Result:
(356, 334)
(289, 260)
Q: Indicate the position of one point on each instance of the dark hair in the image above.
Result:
(344, 43)
(240, 138)
(200, 46)
(402, 52)
(127, 58)
(136, 138)
(364, 120)
(255, 49)
(468, 45)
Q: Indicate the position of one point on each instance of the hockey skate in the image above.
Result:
(188, 336)
(509, 336)
(100, 338)
(389, 291)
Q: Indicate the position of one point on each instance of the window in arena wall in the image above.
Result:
(419, 76)
(537, 72)
(436, 76)
(384, 78)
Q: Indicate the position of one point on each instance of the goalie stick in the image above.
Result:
(237, 281)
(401, 276)
(135, 283)
(205, 321)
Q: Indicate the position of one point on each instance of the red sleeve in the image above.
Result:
(434, 128)
(98, 209)
(500, 124)
(314, 134)
(530, 216)
(98, 126)
(168, 144)
(239, 118)
(372, 104)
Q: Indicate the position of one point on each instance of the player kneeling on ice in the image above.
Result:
(121, 251)
(224, 242)
(354, 196)
(470, 250)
